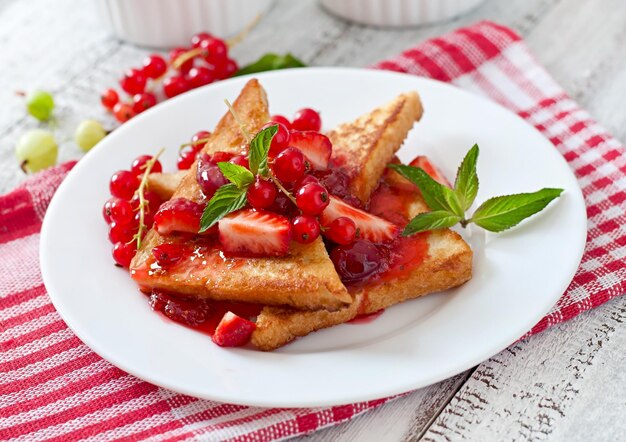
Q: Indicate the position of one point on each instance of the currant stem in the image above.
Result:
(464, 223)
(186, 56)
(281, 187)
(199, 141)
(242, 128)
(244, 33)
(142, 200)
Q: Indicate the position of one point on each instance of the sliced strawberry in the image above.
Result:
(233, 331)
(423, 162)
(255, 233)
(314, 145)
(369, 226)
(178, 215)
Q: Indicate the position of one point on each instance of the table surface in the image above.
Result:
(564, 384)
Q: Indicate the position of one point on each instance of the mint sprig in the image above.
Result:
(232, 196)
(449, 205)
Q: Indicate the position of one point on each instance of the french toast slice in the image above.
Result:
(365, 145)
(305, 279)
(447, 264)
(165, 184)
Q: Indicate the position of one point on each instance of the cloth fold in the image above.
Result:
(54, 387)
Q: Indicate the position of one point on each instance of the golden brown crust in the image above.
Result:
(368, 143)
(448, 265)
(304, 279)
(165, 184)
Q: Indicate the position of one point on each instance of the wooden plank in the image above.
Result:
(567, 383)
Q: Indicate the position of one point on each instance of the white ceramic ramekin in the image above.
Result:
(398, 13)
(169, 23)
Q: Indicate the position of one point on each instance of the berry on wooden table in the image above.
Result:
(305, 229)
(36, 150)
(109, 98)
(306, 119)
(143, 101)
(88, 134)
(154, 66)
(40, 105)
(123, 112)
(133, 82)
(175, 85)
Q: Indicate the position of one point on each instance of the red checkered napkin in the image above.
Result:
(54, 387)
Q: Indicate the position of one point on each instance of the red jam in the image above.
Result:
(199, 314)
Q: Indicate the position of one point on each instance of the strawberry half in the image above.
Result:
(423, 162)
(255, 233)
(315, 146)
(233, 331)
(178, 215)
(369, 227)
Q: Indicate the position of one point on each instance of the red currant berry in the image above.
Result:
(185, 159)
(154, 201)
(197, 39)
(148, 220)
(342, 231)
(280, 141)
(289, 165)
(196, 144)
(239, 160)
(229, 69)
(122, 232)
(209, 176)
(123, 253)
(306, 179)
(121, 211)
(220, 156)
(166, 255)
(109, 98)
(283, 206)
(200, 76)
(173, 86)
(144, 101)
(312, 198)
(177, 52)
(123, 112)
(106, 210)
(138, 166)
(123, 184)
(133, 82)
(306, 119)
(282, 120)
(154, 66)
(305, 229)
(261, 194)
(215, 51)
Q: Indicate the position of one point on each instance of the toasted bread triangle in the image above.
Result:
(304, 279)
(368, 143)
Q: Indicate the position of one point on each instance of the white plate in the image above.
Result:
(518, 275)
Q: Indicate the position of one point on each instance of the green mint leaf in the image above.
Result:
(503, 212)
(236, 174)
(259, 148)
(271, 62)
(226, 199)
(466, 183)
(437, 196)
(439, 219)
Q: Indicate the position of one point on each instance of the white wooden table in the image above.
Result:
(564, 384)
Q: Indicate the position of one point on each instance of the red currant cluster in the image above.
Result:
(203, 63)
(122, 212)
